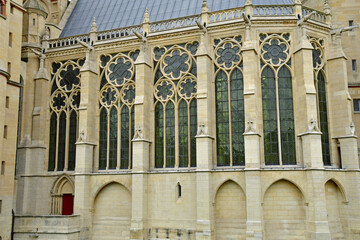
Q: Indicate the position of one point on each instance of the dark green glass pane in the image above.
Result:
(288, 152)
(170, 135)
(125, 138)
(324, 125)
(52, 142)
(268, 89)
(222, 120)
(159, 136)
(183, 135)
(193, 131)
(113, 138)
(237, 118)
(62, 139)
(103, 139)
(72, 141)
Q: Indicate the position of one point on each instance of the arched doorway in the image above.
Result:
(230, 212)
(112, 213)
(284, 212)
(62, 196)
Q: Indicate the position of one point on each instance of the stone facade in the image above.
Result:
(150, 194)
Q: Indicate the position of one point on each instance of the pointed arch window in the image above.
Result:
(230, 119)
(116, 102)
(320, 85)
(277, 100)
(64, 106)
(175, 105)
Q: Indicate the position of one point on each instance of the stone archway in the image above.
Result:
(284, 212)
(335, 208)
(62, 196)
(112, 213)
(230, 212)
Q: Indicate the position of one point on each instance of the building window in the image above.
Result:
(0, 206)
(10, 39)
(353, 65)
(9, 67)
(351, 23)
(277, 100)
(230, 119)
(5, 131)
(3, 7)
(175, 105)
(320, 84)
(2, 167)
(356, 105)
(117, 97)
(64, 106)
(7, 102)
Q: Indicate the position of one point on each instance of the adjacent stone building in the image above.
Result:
(184, 120)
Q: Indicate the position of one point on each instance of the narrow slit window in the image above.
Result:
(356, 105)
(10, 39)
(179, 190)
(3, 168)
(353, 64)
(7, 102)
(5, 131)
(0, 207)
(9, 67)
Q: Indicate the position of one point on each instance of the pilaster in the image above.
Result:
(204, 137)
(305, 98)
(317, 225)
(342, 128)
(85, 144)
(140, 142)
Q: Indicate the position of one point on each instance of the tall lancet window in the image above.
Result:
(64, 109)
(116, 102)
(229, 87)
(175, 87)
(277, 100)
(320, 84)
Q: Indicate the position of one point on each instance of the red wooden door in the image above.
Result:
(67, 204)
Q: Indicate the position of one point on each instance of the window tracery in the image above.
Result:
(277, 99)
(320, 85)
(116, 103)
(175, 87)
(230, 119)
(64, 106)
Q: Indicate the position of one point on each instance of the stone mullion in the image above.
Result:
(108, 141)
(253, 113)
(278, 115)
(189, 133)
(57, 141)
(118, 146)
(176, 129)
(164, 136)
(67, 136)
(230, 122)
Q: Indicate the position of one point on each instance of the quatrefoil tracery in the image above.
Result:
(275, 49)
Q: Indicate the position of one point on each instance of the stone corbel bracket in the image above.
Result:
(203, 132)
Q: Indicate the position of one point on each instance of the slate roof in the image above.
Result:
(112, 14)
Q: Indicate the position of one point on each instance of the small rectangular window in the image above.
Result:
(7, 101)
(0, 206)
(5, 131)
(354, 67)
(33, 21)
(2, 167)
(351, 23)
(10, 39)
(9, 67)
(12, 10)
(356, 105)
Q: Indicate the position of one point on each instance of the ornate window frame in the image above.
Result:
(65, 87)
(275, 58)
(116, 99)
(175, 89)
(230, 114)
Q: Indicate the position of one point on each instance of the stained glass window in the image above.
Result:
(277, 100)
(64, 105)
(117, 97)
(230, 119)
(175, 106)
